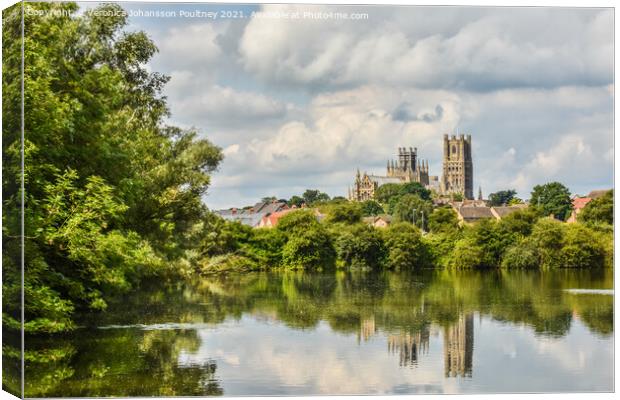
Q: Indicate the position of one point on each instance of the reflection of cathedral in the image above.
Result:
(458, 347)
(409, 346)
(367, 329)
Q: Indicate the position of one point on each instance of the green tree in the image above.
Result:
(311, 196)
(371, 208)
(347, 213)
(548, 237)
(295, 201)
(360, 246)
(599, 210)
(580, 249)
(297, 221)
(552, 199)
(415, 188)
(412, 208)
(384, 193)
(519, 222)
(443, 219)
(502, 198)
(524, 254)
(309, 249)
(406, 250)
(467, 254)
(113, 194)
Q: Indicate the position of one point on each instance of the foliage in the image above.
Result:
(502, 198)
(312, 196)
(385, 192)
(552, 199)
(113, 194)
(519, 222)
(581, 249)
(443, 219)
(524, 254)
(456, 197)
(311, 248)
(347, 213)
(569, 245)
(547, 237)
(467, 254)
(371, 208)
(296, 201)
(390, 193)
(360, 246)
(412, 208)
(406, 250)
(415, 188)
(441, 246)
(297, 221)
(599, 210)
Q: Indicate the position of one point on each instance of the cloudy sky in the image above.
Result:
(298, 104)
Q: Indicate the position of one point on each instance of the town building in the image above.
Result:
(579, 203)
(252, 216)
(379, 221)
(473, 211)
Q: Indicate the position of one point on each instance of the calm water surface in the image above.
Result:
(342, 333)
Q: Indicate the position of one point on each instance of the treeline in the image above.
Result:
(112, 193)
(529, 238)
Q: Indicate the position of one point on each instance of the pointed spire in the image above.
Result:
(479, 192)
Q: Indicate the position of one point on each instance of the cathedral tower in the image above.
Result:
(458, 170)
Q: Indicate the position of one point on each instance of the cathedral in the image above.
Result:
(457, 175)
(407, 168)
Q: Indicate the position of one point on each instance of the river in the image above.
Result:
(300, 333)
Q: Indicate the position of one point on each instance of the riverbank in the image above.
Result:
(523, 240)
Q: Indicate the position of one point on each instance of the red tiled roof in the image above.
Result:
(580, 202)
(274, 217)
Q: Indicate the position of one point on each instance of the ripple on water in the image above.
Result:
(609, 292)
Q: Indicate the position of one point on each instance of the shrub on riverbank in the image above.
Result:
(360, 245)
(520, 240)
(405, 248)
(309, 249)
(554, 244)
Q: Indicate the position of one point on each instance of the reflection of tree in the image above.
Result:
(11, 361)
(127, 362)
(409, 346)
(458, 348)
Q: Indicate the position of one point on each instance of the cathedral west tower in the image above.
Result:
(458, 170)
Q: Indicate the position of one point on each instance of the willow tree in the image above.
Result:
(112, 193)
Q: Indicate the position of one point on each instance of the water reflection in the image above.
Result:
(409, 346)
(458, 347)
(246, 334)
